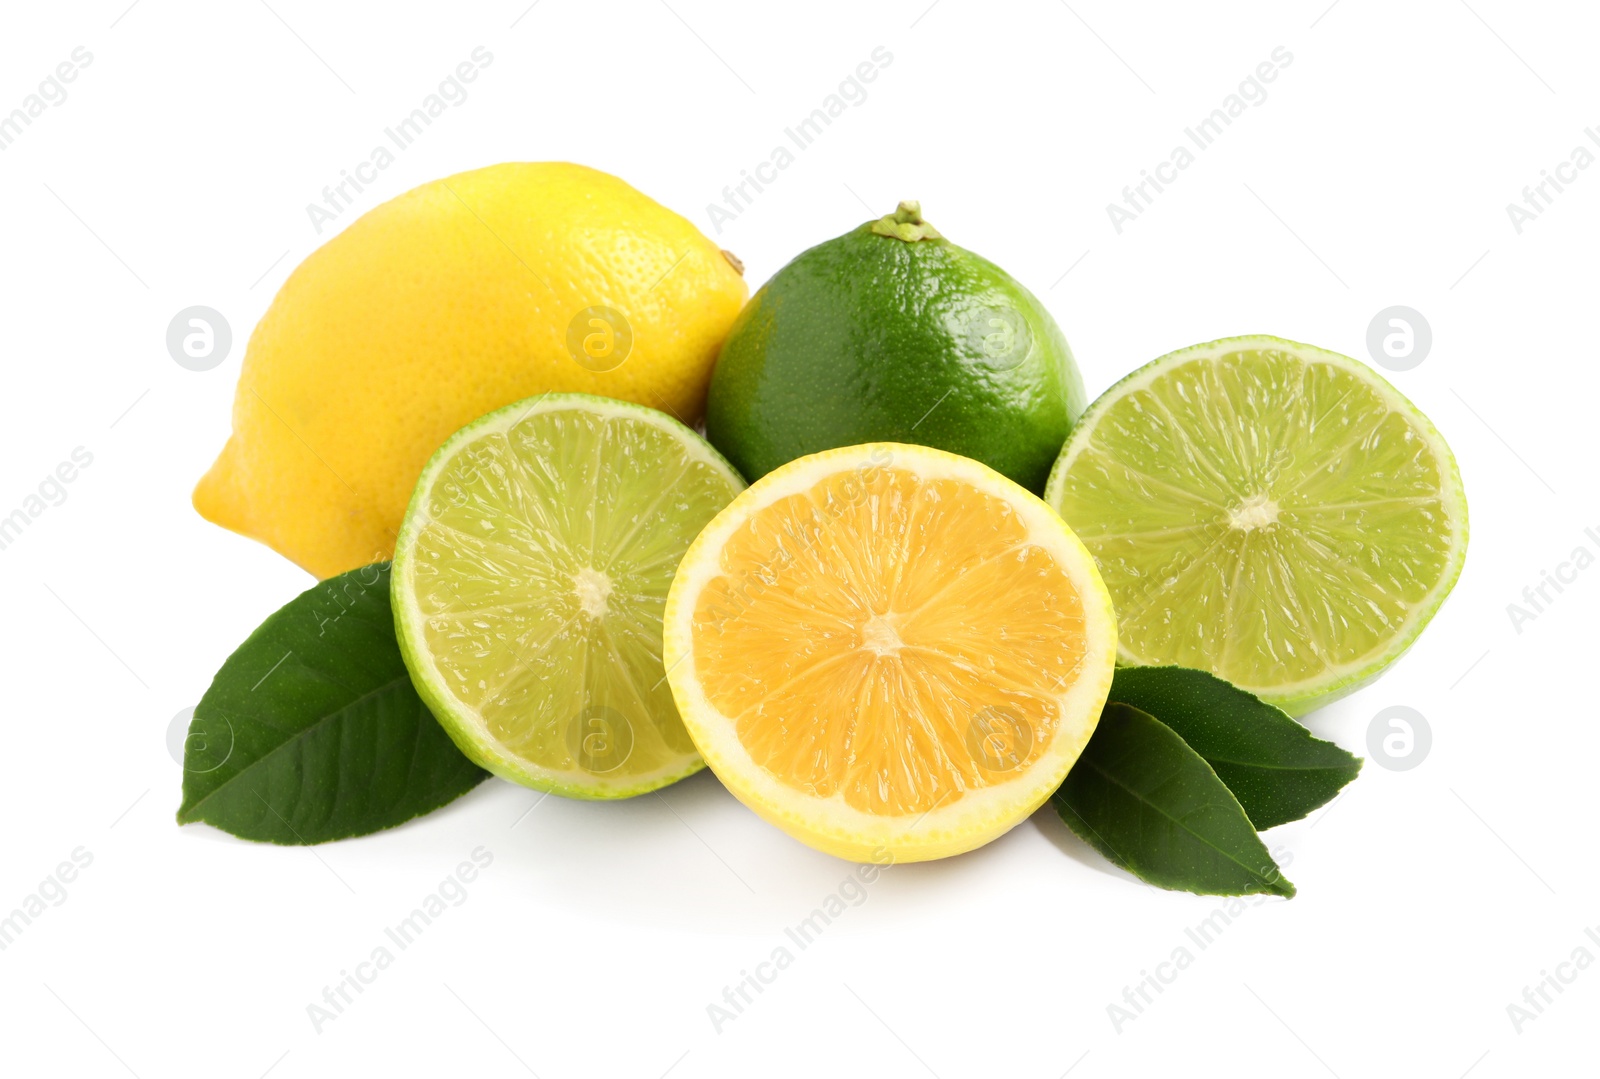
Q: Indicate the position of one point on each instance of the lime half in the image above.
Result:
(529, 581)
(1271, 512)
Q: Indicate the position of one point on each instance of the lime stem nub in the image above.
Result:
(906, 224)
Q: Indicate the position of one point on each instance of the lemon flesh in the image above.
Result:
(529, 581)
(891, 652)
(1271, 512)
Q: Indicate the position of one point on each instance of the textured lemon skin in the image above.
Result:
(443, 304)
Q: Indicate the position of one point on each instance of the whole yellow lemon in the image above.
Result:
(458, 297)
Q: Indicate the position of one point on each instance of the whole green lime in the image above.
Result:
(891, 333)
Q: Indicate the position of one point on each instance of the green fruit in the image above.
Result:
(1273, 513)
(529, 578)
(893, 333)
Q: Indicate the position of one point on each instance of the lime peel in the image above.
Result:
(529, 578)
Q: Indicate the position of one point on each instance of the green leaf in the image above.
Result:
(1143, 798)
(311, 730)
(1276, 768)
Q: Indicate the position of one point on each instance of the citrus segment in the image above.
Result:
(1268, 511)
(889, 650)
(530, 578)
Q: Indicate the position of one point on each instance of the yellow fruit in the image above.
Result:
(458, 297)
(891, 652)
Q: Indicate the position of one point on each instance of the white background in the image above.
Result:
(1377, 172)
